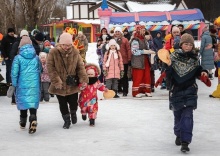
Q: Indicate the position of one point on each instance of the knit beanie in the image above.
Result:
(24, 33)
(118, 29)
(186, 38)
(43, 55)
(65, 38)
(39, 36)
(11, 30)
(25, 40)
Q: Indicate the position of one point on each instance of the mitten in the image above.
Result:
(206, 80)
(105, 73)
(122, 73)
(160, 79)
(82, 86)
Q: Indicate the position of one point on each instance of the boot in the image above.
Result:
(33, 124)
(116, 95)
(185, 147)
(177, 141)
(73, 116)
(67, 121)
(23, 122)
(92, 122)
(84, 117)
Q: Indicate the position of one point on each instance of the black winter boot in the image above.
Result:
(84, 117)
(92, 122)
(67, 121)
(185, 147)
(73, 116)
(116, 95)
(33, 124)
(177, 141)
(23, 122)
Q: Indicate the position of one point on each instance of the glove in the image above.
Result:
(160, 79)
(82, 86)
(105, 73)
(122, 74)
(206, 80)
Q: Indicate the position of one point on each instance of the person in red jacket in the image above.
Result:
(125, 51)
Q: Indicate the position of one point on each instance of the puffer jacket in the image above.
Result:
(57, 73)
(207, 55)
(25, 75)
(115, 66)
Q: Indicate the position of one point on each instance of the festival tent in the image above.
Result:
(159, 20)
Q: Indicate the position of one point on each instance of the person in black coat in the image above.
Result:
(6, 46)
(184, 68)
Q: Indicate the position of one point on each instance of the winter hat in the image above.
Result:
(112, 42)
(47, 43)
(65, 38)
(25, 40)
(43, 55)
(186, 38)
(39, 36)
(11, 30)
(24, 33)
(93, 67)
(118, 29)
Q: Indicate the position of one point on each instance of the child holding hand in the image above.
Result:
(88, 99)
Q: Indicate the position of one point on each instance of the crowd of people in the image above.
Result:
(38, 69)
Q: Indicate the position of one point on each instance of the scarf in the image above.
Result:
(184, 62)
(115, 54)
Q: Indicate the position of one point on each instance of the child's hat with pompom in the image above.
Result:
(94, 67)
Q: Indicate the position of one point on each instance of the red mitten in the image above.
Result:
(160, 79)
(206, 80)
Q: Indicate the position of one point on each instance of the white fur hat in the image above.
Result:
(118, 29)
(112, 42)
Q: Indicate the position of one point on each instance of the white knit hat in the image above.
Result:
(118, 29)
(24, 32)
(112, 42)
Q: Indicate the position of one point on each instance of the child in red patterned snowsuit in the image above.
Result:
(88, 99)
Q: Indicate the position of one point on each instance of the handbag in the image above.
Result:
(71, 80)
(3, 89)
(10, 91)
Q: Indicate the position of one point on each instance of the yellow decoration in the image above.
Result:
(216, 93)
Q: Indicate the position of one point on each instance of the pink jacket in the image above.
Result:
(44, 74)
(115, 66)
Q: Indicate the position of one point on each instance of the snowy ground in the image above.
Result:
(125, 126)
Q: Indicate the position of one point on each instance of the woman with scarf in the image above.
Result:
(140, 64)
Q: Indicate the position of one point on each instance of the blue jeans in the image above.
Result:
(183, 124)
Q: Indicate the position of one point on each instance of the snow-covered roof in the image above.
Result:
(96, 21)
(137, 7)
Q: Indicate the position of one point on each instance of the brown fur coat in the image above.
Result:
(57, 73)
